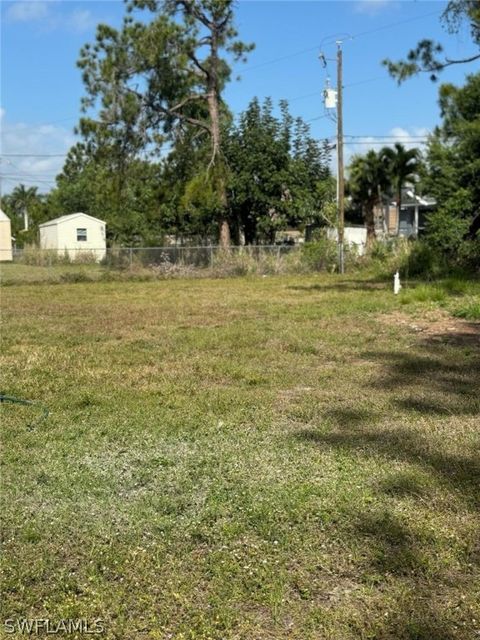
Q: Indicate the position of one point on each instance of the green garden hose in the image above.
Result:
(30, 403)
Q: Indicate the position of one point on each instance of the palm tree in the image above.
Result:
(21, 199)
(368, 180)
(402, 166)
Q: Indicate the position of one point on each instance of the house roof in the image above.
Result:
(411, 199)
(69, 216)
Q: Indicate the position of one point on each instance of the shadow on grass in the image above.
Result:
(440, 375)
(344, 285)
(461, 473)
(346, 416)
(395, 550)
(437, 377)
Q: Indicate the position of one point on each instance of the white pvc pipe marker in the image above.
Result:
(396, 283)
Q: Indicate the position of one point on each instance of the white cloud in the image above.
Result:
(19, 141)
(20, 11)
(372, 7)
(81, 20)
(49, 16)
(410, 138)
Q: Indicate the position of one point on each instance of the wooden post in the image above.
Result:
(341, 183)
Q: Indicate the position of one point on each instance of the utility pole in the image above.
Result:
(340, 174)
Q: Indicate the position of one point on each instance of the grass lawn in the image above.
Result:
(16, 273)
(251, 459)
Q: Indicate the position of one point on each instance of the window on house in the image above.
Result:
(81, 235)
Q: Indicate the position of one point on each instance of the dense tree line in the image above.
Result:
(276, 175)
(448, 170)
(453, 175)
(161, 154)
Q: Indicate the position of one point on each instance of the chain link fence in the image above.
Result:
(124, 257)
(76, 264)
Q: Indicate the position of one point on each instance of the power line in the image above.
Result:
(41, 124)
(386, 137)
(367, 80)
(361, 34)
(396, 24)
(33, 155)
(21, 179)
(281, 59)
(345, 86)
(308, 95)
(32, 176)
(380, 142)
(317, 118)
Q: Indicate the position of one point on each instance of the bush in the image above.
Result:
(321, 255)
(469, 255)
(382, 249)
(422, 260)
(446, 247)
(446, 232)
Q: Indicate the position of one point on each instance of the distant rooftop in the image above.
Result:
(69, 216)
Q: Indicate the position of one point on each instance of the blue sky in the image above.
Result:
(41, 86)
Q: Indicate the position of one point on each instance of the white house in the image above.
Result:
(77, 234)
(5, 238)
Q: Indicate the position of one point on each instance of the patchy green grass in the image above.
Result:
(461, 298)
(468, 309)
(17, 273)
(242, 459)
(423, 293)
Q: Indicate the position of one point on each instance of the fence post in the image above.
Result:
(131, 256)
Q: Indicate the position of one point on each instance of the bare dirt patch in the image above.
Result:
(437, 325)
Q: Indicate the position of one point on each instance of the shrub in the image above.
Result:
(422, 260)
(446, 246)
(321, 255)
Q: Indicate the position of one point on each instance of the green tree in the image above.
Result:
(128, 201)
(427, 56)
(157, 78)
(402, 166)
(26, 209)
(368, 180)
(453, 172)
(276, 169)
(22, 199)
(258, 158)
